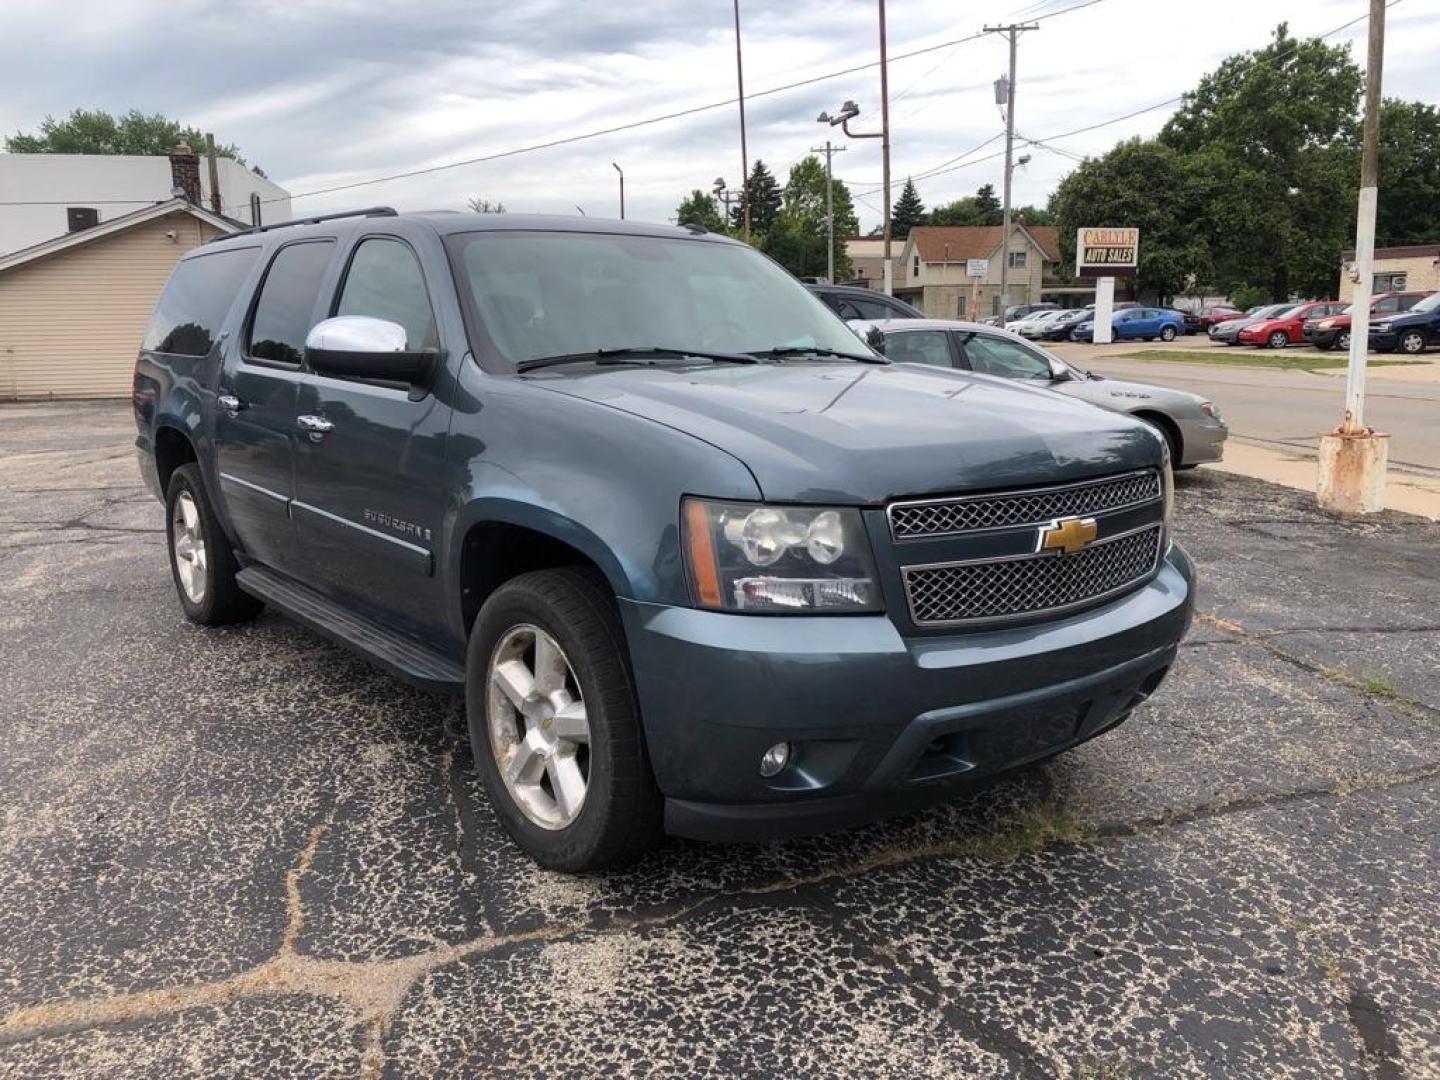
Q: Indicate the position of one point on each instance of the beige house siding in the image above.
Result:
(1422, 272)
(71, 324)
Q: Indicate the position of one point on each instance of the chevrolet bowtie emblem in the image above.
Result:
(1068, 535)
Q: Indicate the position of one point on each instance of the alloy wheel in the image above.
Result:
(1412, 342)
(188, 541)
(539, 730)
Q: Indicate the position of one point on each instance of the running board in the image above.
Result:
(421, 667)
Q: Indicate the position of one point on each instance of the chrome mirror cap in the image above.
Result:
(356, 334)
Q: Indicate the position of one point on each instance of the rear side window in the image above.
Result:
(876, 309)
(384, 281)
(196, 300)
(286, 308)
(919, 347)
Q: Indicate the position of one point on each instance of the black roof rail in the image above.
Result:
(373, 211)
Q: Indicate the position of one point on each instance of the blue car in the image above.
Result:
(1408, 331)
(1143, 323)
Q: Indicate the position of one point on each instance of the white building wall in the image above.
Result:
(113, 184)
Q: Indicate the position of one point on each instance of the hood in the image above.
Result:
(1126, 395)
(865, 434)
(1235, 324)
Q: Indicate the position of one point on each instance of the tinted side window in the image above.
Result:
(287, 302)
(1407, 302)
(1390, 303)
(876, 309)
(196, 300)
(919, 347)
(384, 281)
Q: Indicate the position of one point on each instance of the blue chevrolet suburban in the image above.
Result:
(698, 559)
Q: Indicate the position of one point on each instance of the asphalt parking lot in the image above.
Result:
(246, 853)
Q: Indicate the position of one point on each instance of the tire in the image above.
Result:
(1324, 346)
(1148, 339)
(1278, 340)
(1342, 341)
(202, 562)
(618, 813)
(1167, 333)
(1412, 343)
(1169, 434)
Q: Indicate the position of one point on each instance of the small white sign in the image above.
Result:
(977, 268)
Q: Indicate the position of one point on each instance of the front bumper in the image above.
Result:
(1202, 440)
(880, 723)
(1384, 340)
(1321, 338)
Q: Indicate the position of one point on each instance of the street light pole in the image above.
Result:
(829, 151)
(622, 189)
(744, 156)
(885, 149)
(1353, 458)
(1013, 32)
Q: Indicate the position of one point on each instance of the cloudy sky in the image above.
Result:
(323, 93)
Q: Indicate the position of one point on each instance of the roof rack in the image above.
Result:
(373, 211)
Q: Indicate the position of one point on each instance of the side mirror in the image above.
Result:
(875, 339)
(362, 347)
(1059, 372)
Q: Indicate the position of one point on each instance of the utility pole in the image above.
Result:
(744, 157)
(1353, 457)
(829, 151)
(885, 149)
(215, 203)
(622, 188)
(1012, 31)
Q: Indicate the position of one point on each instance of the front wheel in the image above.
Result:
(1342, 342)
(202, 562)
(1167, 333)
(1278, 340)
(1412, 342)
(554, 723)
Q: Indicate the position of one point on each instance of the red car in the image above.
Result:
(1206, 317)
(1288, 328)
(1334, 332)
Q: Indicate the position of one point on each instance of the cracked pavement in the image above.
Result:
(248, 853)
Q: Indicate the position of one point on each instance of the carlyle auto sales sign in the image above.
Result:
(1106, 252)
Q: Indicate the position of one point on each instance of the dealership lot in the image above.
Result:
(248, 853)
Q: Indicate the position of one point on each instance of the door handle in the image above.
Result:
(316, 425)
(230, 403)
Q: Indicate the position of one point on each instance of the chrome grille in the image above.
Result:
(1030, 584)
(971, 513)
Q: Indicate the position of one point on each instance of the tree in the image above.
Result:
(1120, 189)
(1409, 210)
(1274, 132)
(982, 208)
(96, 132)
(908, 212)
(797, 239)
(1033, 215)
(992, 211)
(485, 206)
(700, 208)
(765, 199)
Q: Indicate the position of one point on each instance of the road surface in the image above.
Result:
(1291, 408)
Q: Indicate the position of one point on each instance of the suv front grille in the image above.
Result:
(972, 513)
(1030, 584)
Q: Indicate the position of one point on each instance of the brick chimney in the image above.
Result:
(185, 172)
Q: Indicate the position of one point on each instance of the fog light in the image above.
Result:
(774, 759)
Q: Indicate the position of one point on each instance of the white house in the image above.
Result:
(43, 196)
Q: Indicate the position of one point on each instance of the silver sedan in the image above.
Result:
(1191, 425)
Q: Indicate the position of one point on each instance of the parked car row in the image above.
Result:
(1399, 321)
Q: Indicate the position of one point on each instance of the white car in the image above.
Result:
(1033, 325)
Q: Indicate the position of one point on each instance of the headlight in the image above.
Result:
(778, 559)
(1381, 325)
(1209, 409)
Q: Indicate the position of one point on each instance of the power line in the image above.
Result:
(1298, 42)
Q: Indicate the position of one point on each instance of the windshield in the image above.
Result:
(545, 294)
(1430, 303)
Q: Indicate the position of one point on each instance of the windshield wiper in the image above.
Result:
(622, 355)
(816, 350)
